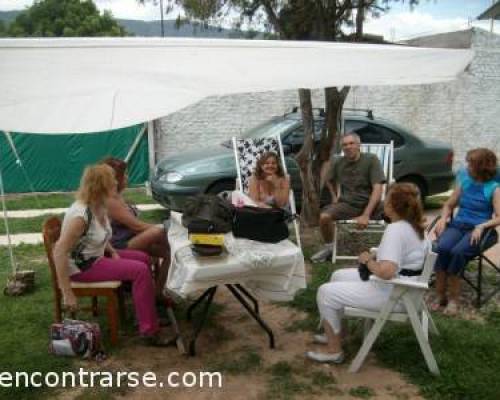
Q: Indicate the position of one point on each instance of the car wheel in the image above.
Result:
(418, 182)
(222, 189)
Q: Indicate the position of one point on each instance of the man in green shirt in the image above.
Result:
(361, 178)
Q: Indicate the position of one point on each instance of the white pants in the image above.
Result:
(346, 289)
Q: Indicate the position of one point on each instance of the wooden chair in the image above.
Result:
(110, 289)
(411, 294)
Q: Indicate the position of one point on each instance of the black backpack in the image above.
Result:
(207, 213)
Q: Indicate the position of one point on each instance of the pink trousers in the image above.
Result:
(132, 266)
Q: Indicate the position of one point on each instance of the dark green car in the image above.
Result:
(428, 164)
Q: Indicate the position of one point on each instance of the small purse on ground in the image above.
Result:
(262, 224)
(76, 338)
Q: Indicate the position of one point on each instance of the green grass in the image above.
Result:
(362, 392)
(25, 322)
(467, 352)
(63, 200)
(283, 382)
(34, 224)
(238, 362)
(39, 201)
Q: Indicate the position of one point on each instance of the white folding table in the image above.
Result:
(249, 269)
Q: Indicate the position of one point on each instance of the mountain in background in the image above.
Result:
(8, 16)
(153, 28)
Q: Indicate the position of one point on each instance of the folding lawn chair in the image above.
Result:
(246, 154)
(385, 153)
(411, 294)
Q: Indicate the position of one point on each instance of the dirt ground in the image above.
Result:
(235, 345)
(232, 335)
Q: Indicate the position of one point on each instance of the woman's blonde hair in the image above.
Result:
(97, 183)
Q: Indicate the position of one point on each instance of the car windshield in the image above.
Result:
(267, 129)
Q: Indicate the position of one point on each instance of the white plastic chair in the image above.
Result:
(246, 154)
(385, 154)
(411, 294)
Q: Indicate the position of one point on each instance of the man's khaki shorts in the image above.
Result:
(343, 211)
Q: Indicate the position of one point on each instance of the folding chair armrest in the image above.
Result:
(431, 226)
(401, 282)
(483, 242)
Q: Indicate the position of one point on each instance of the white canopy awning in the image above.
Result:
(88, 85)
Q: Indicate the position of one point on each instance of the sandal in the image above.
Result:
(438, 304)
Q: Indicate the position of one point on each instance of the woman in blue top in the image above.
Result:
(477, 194)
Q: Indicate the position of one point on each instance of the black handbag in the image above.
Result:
(207, 214)
(262, 224)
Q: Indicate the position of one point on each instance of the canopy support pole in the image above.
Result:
(6, 224)
(132, 149)
(151, 145)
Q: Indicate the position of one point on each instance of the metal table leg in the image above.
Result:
(255, 315)
(199, 324)
(197, 302)
(249, 296)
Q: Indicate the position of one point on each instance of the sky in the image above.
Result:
(430, 16)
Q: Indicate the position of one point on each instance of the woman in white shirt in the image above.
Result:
(401, 253)
(83, 252)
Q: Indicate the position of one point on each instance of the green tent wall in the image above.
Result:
(55, 162)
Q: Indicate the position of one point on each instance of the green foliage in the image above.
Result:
(3, 31)
(55, 18)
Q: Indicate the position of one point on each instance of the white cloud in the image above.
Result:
(403, 25)
(130, 9)
(6, 5)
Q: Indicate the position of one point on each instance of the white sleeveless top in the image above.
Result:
(94, 242)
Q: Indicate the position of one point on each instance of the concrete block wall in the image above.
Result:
(464, 113)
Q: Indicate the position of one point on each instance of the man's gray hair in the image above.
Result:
(354, 135)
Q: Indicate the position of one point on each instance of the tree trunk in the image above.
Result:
(311, 158)
(360, 17)
(334, 102)
(310, 180)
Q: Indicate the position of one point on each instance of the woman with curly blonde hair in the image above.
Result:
(83, 252)
(401, 253)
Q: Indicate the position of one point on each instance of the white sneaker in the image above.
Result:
(320, 339)
(323, 255)
(336, 358)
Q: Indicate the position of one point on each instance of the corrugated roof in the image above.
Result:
(492, 12)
